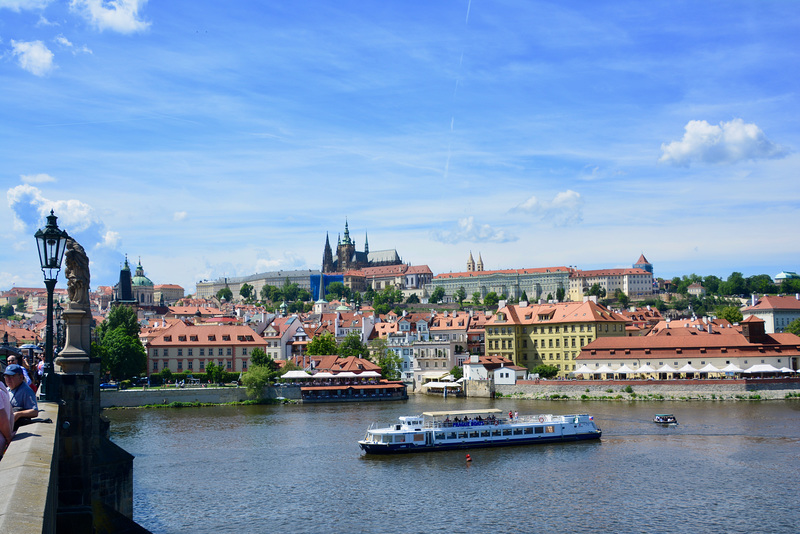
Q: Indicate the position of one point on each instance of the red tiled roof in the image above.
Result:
(469, 274)
(773, 302)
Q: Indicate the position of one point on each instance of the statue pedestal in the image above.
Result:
(74, 357)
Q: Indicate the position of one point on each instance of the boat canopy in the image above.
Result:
(455, 413)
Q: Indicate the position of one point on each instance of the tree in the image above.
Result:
(560, 293)
(336, 290)
(119, 317)
(623, 300)
(476, 298)
(20, 304)
(596, 291)
(793, 327)
(214, 372)
(549, 297)
(460, 295)
(166, 375)
(491, 299)
(412, 299)
(225, 294)
(524, 296)
(7, 310)
(437, 295)
(351, 345)
(730, 313)
(389, 361)
(125, 355)
(260, 358)
(322, 345)
(545, 371)
(290, 290)
(246, 291)
(457, 372)
(734, 285)
(256, 378)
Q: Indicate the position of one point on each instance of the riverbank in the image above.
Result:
(644, 390)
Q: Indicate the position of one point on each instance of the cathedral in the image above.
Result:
(347, 258)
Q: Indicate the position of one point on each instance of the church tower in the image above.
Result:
(346, 251)
(480, 262)
(470, 263)
(327, 257)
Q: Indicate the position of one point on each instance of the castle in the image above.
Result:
(348, 258)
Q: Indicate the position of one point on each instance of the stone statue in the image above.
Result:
(77, 272)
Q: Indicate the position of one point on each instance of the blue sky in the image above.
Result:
(226, 138)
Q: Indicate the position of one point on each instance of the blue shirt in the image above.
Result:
(23, 398)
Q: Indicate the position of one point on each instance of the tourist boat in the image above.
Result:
(666, 419)
(468, 429)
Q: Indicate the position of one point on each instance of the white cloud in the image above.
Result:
(566, 208)
(19, 5)
(110, 240)
(44, 22)
(179, 216)
(65, 43)
(289, 261)
(37, 178)
(467, 230)
(729, 142)
(33, 56)
(117, 15)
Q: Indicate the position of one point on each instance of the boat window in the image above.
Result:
(549, 429)
(496, 432)
(462, 435)
(419, 437)
(528, 430)
(386, 438)
(507, 432)
(400, 438)
(539, 430)
(451, 435)
(439, 435)
(473, 434)
(517, 431)
(485, 434)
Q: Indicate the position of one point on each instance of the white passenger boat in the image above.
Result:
(469, 429)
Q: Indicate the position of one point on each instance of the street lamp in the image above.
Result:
(51, 242)
(59, 326)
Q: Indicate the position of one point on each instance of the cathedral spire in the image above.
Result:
(366, 243)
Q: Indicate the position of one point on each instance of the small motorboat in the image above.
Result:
(666, 419)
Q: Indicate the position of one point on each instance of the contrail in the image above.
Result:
(469, 3)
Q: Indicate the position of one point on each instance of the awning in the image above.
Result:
(731, 368)
(324, 374)
(763, 368)
(370, 374)
(442, 385)
(624, 369)
(346, 374)
(645, 369)
(295, 374)
(603, 369)
(583, 369)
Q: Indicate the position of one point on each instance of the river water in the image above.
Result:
(728, 467)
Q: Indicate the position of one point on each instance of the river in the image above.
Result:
(728, 467)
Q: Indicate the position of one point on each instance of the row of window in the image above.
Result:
(189, 365)
(228, 351)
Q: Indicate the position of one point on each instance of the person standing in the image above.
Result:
(6, 419)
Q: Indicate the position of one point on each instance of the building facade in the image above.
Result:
(347, 258)
(776, 311)
(534, 283)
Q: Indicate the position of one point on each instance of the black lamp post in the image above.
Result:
(59, 325)
(51, 242)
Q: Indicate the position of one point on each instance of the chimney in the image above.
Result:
(752, 300)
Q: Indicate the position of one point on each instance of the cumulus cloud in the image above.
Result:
(467, 230)
(33, 56)
(110, 240)
(179, 216)
(36, 178)
(65, 43)
(566, 209)
(117, 15)
(19, 5)
(289, 261)
(729, 142)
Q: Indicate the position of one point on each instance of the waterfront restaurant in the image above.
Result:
(692, 352)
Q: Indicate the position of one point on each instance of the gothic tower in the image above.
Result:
(470, 263)
(480, 262)
(327, 257)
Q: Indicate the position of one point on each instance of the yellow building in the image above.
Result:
(549, 334)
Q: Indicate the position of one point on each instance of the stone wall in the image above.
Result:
(648, 390)
(138, 397)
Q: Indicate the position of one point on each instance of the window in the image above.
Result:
(244, 351)
(155, 365)
(155, 352)
(219, 352)
(229, 365)
(189, 352)
(189, 365)
(180, 352)
(180, 365)
(202, 365)
(202, 352)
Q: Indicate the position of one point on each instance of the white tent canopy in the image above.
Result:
(442, 385)
(346, 374)
(787, 370)
(762, 368)
(296, 374)
(731, 368)
(645, 369)
(582, 370)
(370, 374)
(666, 368)
(603, 369)
(709, 369)
(687, 369)
(624, 369)
(324, 374)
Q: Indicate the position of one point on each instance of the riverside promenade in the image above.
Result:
(719, 390)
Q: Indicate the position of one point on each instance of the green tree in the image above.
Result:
(734, 285)
(730, 313)
(790, 285)
(125, 355)
(260, 358)
(412, 299)
(476, 298)
(596, 291)
(290, 290)
(369, 295)
(560, 293)
(437, 295)
(549, 297)
(225, 293)
(524, 296)
(457, 372)
(336, 290)
(256, 378)
(460, 295)
(623, 299)
(166, 375)
(214, 372)
(119, 317)
(7, 310)
(322, 345)
(491, 299)
(387, 359)
(246, 291)
(761, 283)
(793, 327)
(351, 345)
(20, 304)
(545, 371)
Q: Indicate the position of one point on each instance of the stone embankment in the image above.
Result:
(130, 398)
(728, 389)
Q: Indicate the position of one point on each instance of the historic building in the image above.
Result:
(636, 282)
(776, 311)
(549, 334)
(347, 258)
(534, 283)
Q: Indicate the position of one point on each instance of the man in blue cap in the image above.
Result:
(23, 400)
